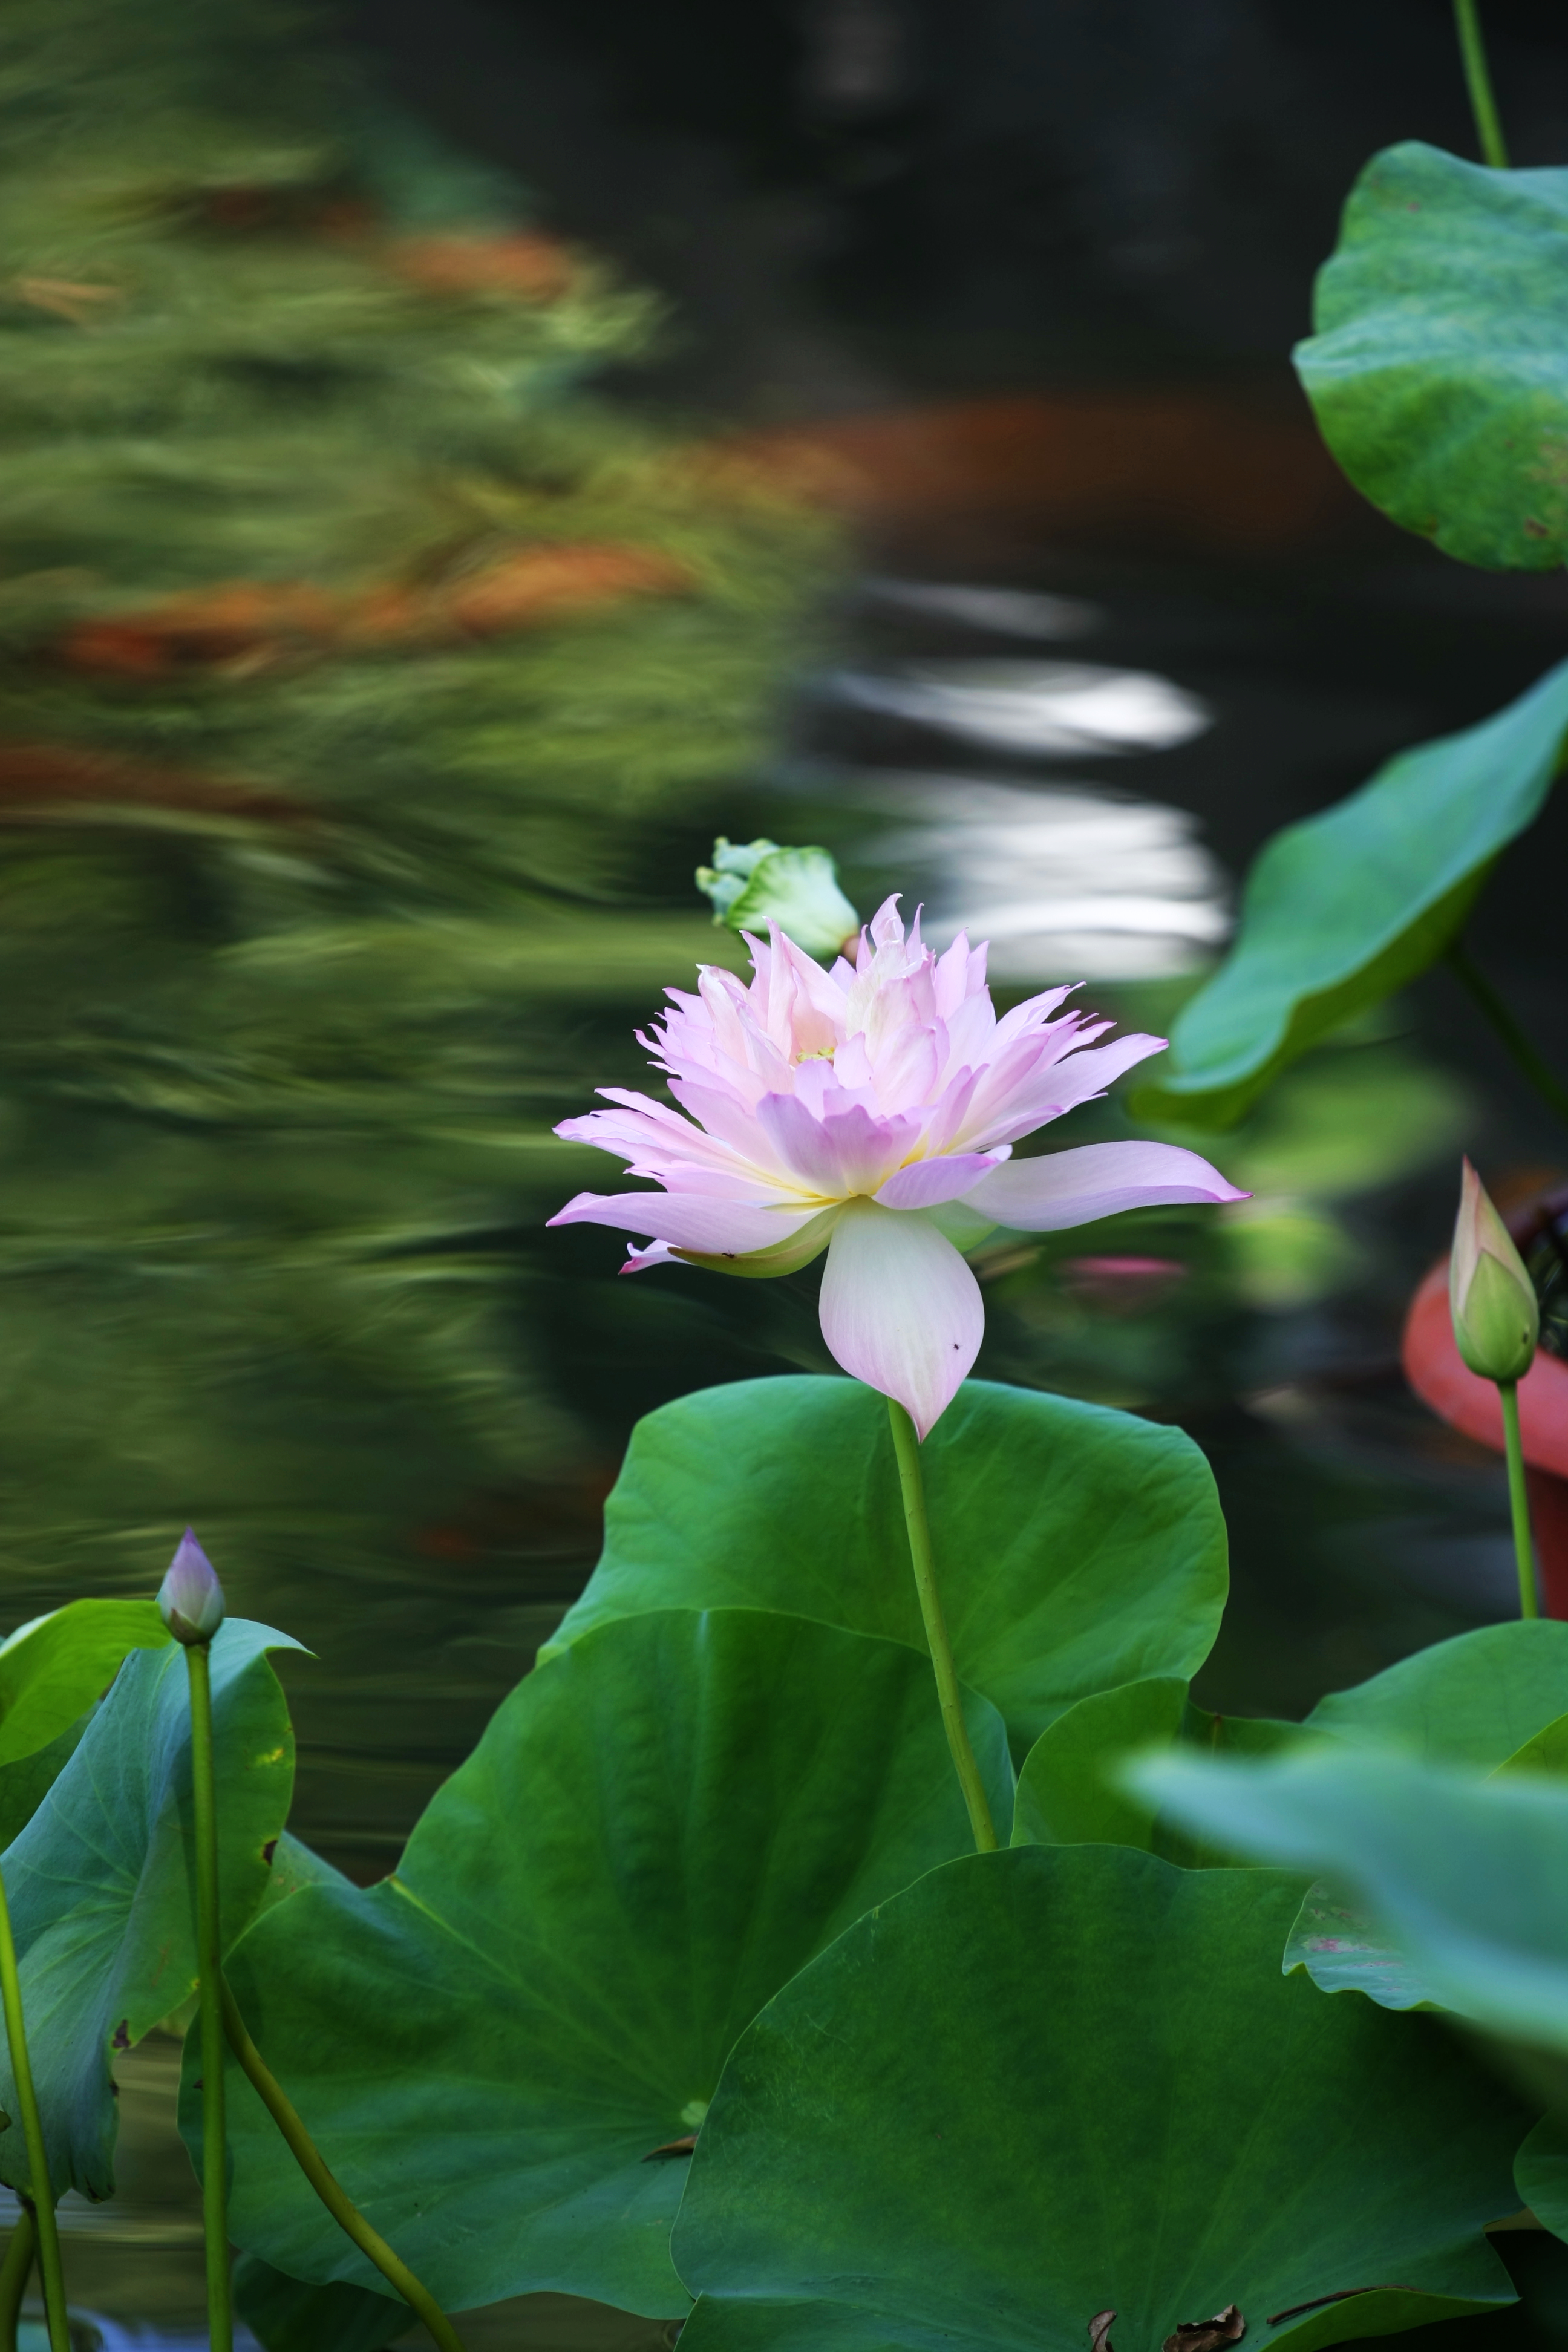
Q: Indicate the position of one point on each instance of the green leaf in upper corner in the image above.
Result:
(53, 1669)
(1342, 909)
(100, 1882)
(1477, 1699)
(1438, 371)
(1075, 1547)
(1463, 1877)
(1070, 1790)
(286, 2315)
(1046, 2083)
(503, 2051)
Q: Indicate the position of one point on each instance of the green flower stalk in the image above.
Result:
(45, 2228)
(191, 1602)
(1497, 1322)
(907, 1448)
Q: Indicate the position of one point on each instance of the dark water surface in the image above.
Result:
(276, 1100)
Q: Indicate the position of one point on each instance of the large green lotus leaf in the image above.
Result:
(658, 1827)
(1463, 1880)
(52, 1670)
(1059, 2081)
(1439, 368)
(1341, 910)
(1075, 1547)
(100, 1886)
(1476, 1700)
(1070, 1791)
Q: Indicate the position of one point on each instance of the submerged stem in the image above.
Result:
(1479, 82)
(44, 2222)
(907, 1446)
(1526, 1059)
(1518, 1499)
(209, 1962)
(312, 2163)
(16, 2271)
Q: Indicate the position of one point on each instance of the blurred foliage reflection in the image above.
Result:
(349, 643)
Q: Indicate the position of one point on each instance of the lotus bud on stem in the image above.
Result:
(191, 1603)
(40, 2208)
(907, 1446)
(1497, 1322)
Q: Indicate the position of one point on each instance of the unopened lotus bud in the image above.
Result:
(1497, 1318)
(190, 1599)
(751, 882)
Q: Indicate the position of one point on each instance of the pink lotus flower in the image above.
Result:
(871, 1111)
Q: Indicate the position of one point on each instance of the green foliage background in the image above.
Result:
(283, 934)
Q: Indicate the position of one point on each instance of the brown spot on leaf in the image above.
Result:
(268, 1850)
(1100, 2332)
(1536, 530)
(122, 2039)
(672, 2148)
(1226, 2327)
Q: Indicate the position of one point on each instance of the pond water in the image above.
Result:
(279, 1075)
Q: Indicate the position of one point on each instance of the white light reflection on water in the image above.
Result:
(1004, 612)
(1073, 708)
(1067, 881)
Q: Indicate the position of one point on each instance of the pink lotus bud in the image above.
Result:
(1497, 1318)
(190, 1599)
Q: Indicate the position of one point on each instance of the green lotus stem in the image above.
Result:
(209, 1963)
(46, 2227)
(907, 1446)
(16, 2271)
(1518, 1499)
(1479, 82)
(1530, 1063)
(313, 2164)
